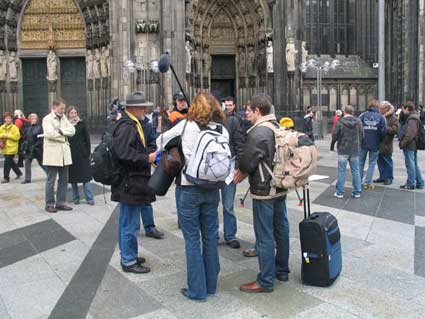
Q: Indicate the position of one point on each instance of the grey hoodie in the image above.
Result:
(348, 133)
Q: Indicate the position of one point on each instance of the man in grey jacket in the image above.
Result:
(348, 134)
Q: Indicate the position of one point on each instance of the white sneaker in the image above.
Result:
(356, 195)
(338, 195)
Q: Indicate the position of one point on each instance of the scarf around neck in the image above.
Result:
(139, 127)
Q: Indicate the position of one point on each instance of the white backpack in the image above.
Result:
(295, 158)
(210, 162)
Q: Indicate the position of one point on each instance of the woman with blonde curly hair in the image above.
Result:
(198, 207)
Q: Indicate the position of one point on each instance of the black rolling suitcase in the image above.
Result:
(320, 246)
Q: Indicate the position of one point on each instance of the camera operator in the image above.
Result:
(180, 109)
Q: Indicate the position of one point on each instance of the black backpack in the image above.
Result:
(420, 142)
(104, 167)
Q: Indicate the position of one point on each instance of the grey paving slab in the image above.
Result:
(3, 311)
(350, 244)
(35, 230)
(50, 240)
(13, 254)
(77, 298)
(234, 255)
(168, 247)
(398, 206)
(286, 299)
(118, 297)
(420, 204)
(158, 314)
(420, 251)
(327, 198)
(327, 311)
(11, 238)
(97, 190)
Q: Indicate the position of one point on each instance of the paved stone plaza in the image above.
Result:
(66, 265)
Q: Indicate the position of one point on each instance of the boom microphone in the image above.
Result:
(164, 63)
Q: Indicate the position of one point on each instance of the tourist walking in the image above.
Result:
(132, 192)
(79, 171)
(308, 122)
(385, 159)
(271, 224)
(32, 146)
(408, 144)
(374, 131)
(9, 143)
(348, 135)
(57, 156)
(22, 123)
(198, 207)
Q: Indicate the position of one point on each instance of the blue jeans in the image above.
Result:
(147, 218)
(128, 229)
(198, 217)
(385, 167)
(373, 158)
(271, 228)
(355, 173)
(87, 189)
(229, 219)
(414, 176)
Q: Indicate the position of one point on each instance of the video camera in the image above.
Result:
(114, 108)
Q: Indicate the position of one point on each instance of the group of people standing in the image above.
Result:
(371, 135)
(61, 146)
(197, 207)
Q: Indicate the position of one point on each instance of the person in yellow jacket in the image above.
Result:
(10, 135)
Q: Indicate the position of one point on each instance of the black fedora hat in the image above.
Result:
(136, 99)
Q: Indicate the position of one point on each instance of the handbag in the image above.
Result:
(2, 143)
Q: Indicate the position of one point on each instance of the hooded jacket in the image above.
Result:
(374, 128)
(410, 132)
(260, 147)
(12, 140)
(386, 147)
(348, 134)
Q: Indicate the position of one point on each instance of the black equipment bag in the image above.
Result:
(320, 246)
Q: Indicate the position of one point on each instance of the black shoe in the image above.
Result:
(234, 244)
(140, 260)
(184, 292)
(136, 269)
(379, 180)
(282, 277)
(63, 207)
(18, 176)
(155, 234)
(51, 209)
(420, 186)
(388, 182)
(25, 182)
(407, 187)
(5, 181)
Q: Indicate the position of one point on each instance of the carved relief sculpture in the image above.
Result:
(13, 67)
(242, 62)
(207, 62)
(104, 62)
(3, 66)
(52, 66)
(89, 65)
(51, 38)
(291, 55)
(251, 61)
(154, 26)
(108, 60)
(96, 64)
(198, 61)
(188, 57)
(269, 52)
(304, 52)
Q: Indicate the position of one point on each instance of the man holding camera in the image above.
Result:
(180, 109)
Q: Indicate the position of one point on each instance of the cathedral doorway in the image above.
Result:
(223, 75)
(35, 86)
(73, 83)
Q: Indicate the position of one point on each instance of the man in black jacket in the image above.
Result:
(131, 151)
(269, 203)
(228, 193)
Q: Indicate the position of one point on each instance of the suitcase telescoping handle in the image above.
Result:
(306, 200)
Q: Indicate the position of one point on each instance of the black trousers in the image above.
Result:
(9, 164)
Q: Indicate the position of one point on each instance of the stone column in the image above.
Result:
(421, 65)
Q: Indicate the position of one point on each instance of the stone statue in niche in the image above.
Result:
(198, 61)
(304, 52)
(206, 62)
(3, 66)
(251, 61)
(104, 62)
(291, 55)
(242, 62)
(13, 64)
(52, 66)
(89, 65)
(269, 52)
(96, 64)
(188, 57)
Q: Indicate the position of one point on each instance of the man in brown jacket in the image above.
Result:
(408, 145)
(385, 160)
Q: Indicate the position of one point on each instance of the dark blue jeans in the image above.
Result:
(385, 167)
(128, 229)
(147, 218)
(271, 228)
(414, 176)
(373, 157)
(198, 217)
(229, 218)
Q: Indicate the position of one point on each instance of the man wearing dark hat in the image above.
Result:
(180, 109)
(131, 151)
